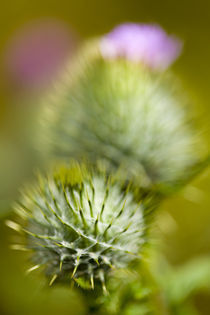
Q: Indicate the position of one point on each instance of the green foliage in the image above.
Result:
(158, 292)
(181, 283)
(130, 294)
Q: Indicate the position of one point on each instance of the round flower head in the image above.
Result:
(125, 115)
(145, 43)
(80, 225)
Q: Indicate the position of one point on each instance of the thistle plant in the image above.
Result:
(122, 111)
(119, 105)
(81, 225)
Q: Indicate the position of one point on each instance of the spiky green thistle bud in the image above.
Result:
(81, 225)
(126, 114)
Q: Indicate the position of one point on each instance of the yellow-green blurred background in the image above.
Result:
(184, 220)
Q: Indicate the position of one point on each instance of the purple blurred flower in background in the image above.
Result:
(37, 52)
(146, 43)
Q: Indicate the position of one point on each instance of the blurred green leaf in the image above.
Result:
(181, 283)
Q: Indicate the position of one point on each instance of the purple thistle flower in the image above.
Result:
(37, 52)
(146, 43)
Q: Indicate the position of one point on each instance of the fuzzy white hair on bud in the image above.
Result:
(81, 225)
(125, 114)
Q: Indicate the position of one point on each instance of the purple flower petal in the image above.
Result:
(37, 52)
(146, 43)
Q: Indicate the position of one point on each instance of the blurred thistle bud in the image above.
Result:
(124, 114)
(145, 43)
(36, 54)
(81, 225)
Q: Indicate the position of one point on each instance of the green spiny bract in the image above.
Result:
(125, 114)
(81, 225)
